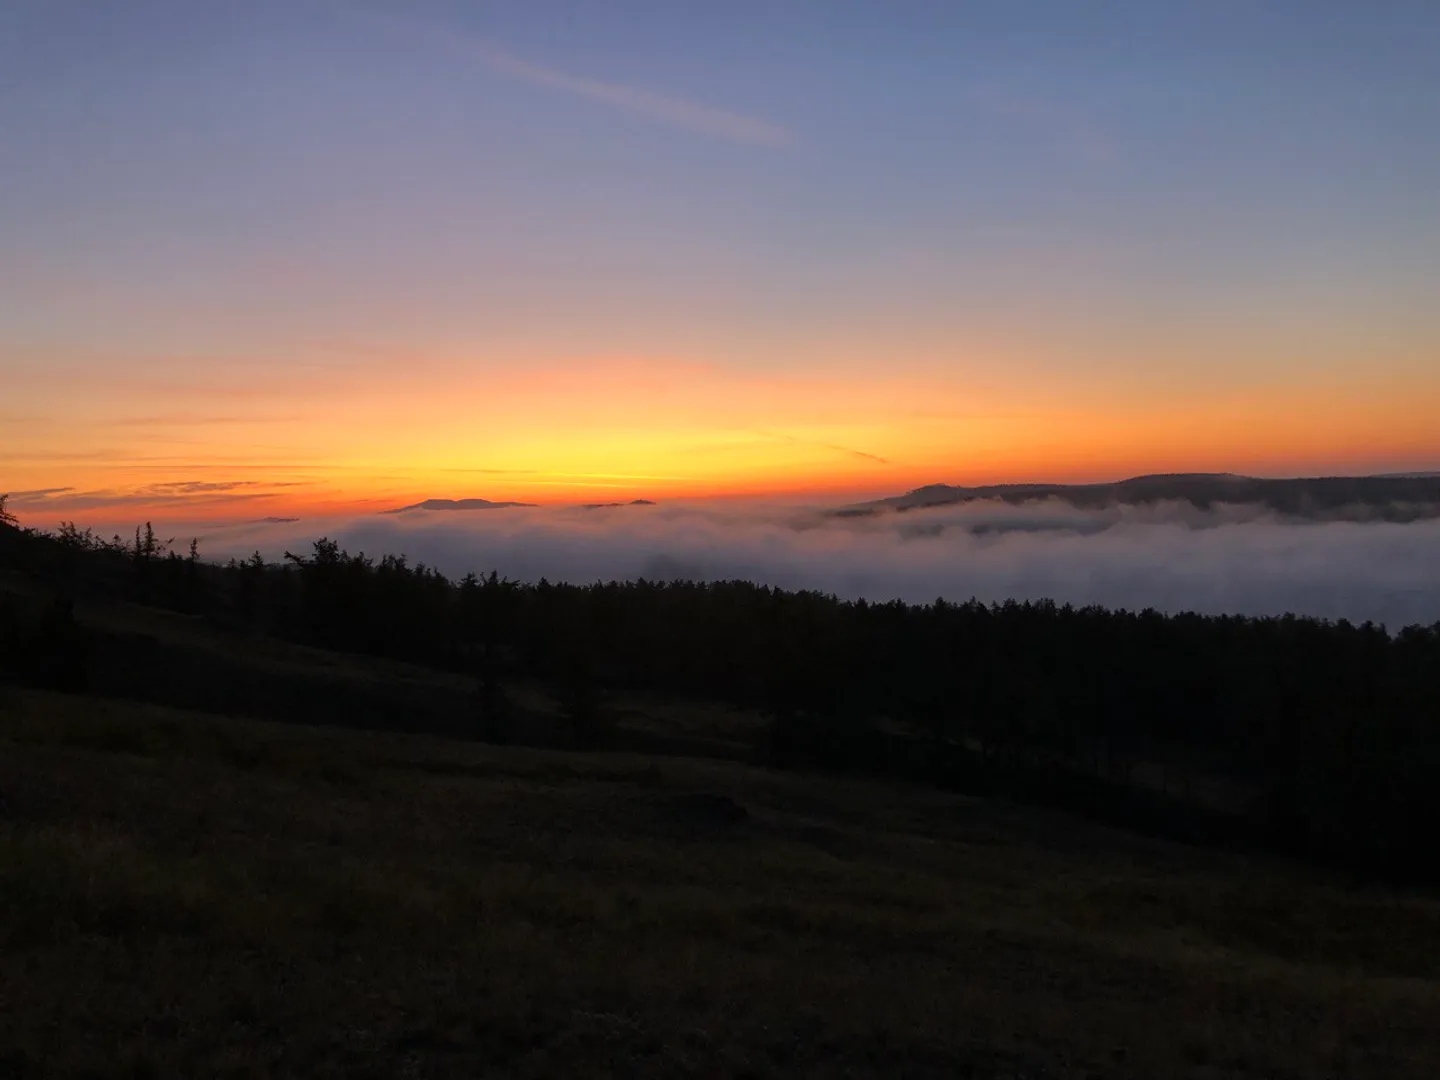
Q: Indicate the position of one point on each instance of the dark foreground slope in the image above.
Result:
(185, 895)
(1293, 735)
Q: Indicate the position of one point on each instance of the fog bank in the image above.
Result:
(1171, 556)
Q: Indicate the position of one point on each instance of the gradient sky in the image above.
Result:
(283, 256)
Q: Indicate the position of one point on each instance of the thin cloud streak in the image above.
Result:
(794, 440)
(673, 111)
(181, 419)
(196, 487)
(170, 499)
(677, 112)
(36, 494)
(171, 506)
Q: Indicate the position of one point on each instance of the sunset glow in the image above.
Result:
(327, 258)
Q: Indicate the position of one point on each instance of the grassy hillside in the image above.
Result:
(145, 653)
(183, 895)
(1289, 735)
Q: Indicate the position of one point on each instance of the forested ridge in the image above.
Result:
(1326, 734)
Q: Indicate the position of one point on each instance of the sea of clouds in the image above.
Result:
(1171, 556)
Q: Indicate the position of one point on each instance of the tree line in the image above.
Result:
(1326, 735)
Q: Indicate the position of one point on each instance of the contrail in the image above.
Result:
(675, 111)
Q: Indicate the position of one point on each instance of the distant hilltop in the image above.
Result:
(456, 504)
(486, 504)
(1401, 497)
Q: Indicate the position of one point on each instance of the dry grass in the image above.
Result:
(184, 895)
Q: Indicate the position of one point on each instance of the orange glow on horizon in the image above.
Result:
(322, 443)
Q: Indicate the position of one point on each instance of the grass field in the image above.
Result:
(187, 895)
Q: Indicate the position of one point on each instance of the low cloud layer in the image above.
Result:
(167, 497)
(1171, 556)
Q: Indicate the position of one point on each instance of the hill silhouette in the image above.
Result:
(456, 504)
(1408, 497)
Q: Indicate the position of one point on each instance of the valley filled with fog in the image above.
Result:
(1172, 555)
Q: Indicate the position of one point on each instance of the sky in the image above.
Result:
(330, 256)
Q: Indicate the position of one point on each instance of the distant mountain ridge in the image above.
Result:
(456, 504)
(486, 504)
(1403, 497)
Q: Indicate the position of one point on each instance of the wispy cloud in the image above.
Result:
(188, 419)
(47, 456)
(38, 494)
(557, 477)
(167, 497)
(667, 109)
(169, 503)
(677, 112)
(794, 440)
(196, 487)
(489, 472)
